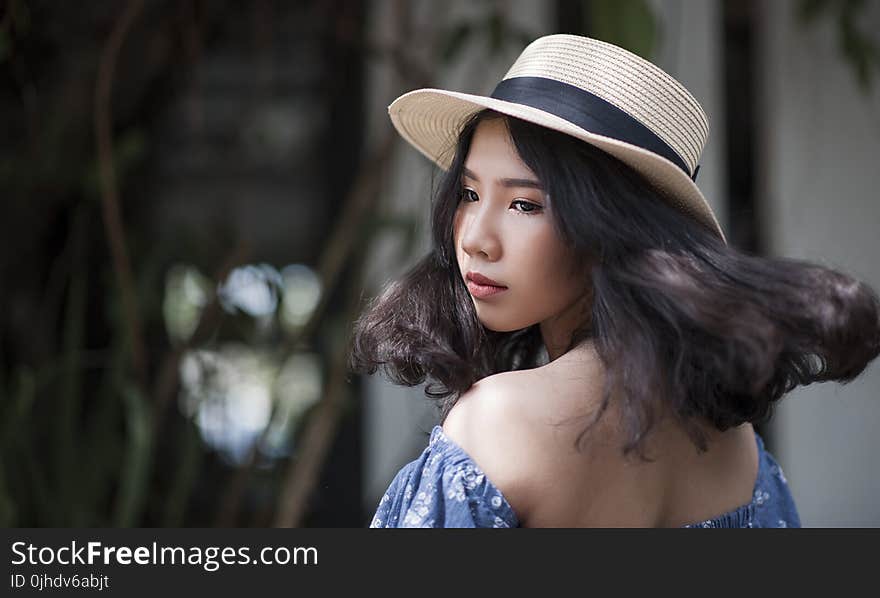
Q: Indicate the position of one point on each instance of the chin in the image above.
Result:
(496, 326)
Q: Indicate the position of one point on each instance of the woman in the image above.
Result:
(598, 351)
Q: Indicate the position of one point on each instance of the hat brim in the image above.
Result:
(431, 120)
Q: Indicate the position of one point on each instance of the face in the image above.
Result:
(503, 230)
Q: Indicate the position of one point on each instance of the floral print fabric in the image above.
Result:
(444, 487)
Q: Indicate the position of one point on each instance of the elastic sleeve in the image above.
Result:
(442, 490)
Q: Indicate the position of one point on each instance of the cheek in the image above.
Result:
(548, 261)
(551, 274)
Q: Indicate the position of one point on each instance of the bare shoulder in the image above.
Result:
(491, 423)
(488, 408)
(520, 428)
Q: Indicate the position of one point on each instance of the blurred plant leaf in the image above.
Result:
(129, 148)
(67, 394)
(15, 487)
(629, 24)
(453, 41)
(41, 499)
(135, 473)
(102, 449)
(856, 36)
(191, 457)
(103, 446)
(494, 28)
(809, 10)
(17, 411)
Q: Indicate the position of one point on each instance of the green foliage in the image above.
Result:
(135, 473)
(129, 150)
(493, 27)
(453, 41)
(629, 24)
(185, 476)
(857, 41)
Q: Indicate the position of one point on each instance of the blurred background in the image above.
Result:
(200, 195)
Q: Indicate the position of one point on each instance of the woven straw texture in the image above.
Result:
(625, 80)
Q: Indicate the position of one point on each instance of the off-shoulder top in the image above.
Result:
(444, 487)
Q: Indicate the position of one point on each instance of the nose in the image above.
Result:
(479, 230)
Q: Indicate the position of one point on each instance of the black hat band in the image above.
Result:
(588, 111)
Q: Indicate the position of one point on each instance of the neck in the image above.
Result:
(557, 331)
(576, 356)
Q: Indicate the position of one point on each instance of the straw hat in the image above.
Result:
(591, 90)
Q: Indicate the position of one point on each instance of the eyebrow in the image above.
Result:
(532, 184)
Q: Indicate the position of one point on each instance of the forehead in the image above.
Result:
(493, 149)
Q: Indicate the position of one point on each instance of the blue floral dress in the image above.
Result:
(444, 487)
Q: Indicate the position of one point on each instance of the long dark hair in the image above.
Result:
(678, 317)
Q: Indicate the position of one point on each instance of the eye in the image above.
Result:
(527, 207)
(464, 194)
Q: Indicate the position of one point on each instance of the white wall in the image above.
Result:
(690, 49)
(820, 200)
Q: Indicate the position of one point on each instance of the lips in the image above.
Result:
(483, 287)
(483, 280)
